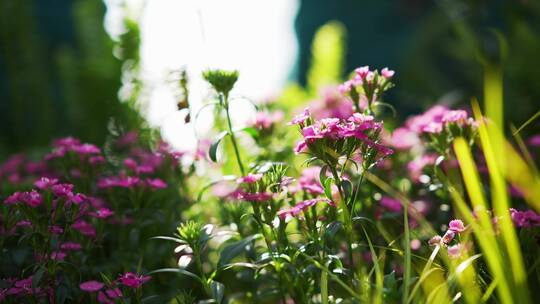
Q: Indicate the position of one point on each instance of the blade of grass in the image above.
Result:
(535, 116)
(492, 139)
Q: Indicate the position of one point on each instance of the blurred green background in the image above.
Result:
(58, 74)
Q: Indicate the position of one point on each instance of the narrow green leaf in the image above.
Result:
(212, 152)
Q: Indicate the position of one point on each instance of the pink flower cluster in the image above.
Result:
(333, 104)
(66, 145)
(130, 182)
(330, 130)
(364, 77)
(436, 119)
(302, 207)
(109, 294)
(455, 227)
(525, 219)
(265, 120)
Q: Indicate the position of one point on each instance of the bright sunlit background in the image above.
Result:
(254, 37)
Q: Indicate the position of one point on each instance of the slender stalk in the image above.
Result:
(231, 133)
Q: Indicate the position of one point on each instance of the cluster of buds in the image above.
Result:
(455, 227)
(368, 85)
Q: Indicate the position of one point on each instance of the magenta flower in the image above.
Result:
(300, 119)
(58, 255)
(13, 198)
(63, 190)
(251, 178)
(55, 229)
(448, 237)
(23, 223)
(96, 160)
(101, 213)
(404, 139)
(84, 228)
(435, 240)
(32, 198)
(534, 141)
(85, 149)
(455, 251)
(66, 142)
(253, 197)
(118, 181)
(264, 120)
(391, 204)
(133, 280)
(45, 183)
(386, 73)
(455, 116)
(302, 207)
(91, 286)
(525, 219)
(155, 183)
(456, 226)
(70, 246)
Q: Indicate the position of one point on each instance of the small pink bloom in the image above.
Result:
(71, 246)
(386, 73)
(55, 229)
(133, 280)
(448, 237)
(84, 228)
(63, 190)
(455, 251)
(91, 286)
(300, 119)
(391, 204)
(96, 160)
(456, 226)
(58, 255)
(155, 183)
(436, 240)
(415, 244)
(251, 178)
(45, 183)
(101, 213)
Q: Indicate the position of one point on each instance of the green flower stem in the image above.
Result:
(231, 133)
(346, 214)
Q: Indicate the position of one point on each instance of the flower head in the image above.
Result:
(133, 280)
(91, 286)
(456, 226)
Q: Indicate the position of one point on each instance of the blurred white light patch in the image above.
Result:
(254, 37)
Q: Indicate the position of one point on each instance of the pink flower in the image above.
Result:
(415, 244)
(66, 142)
(436, 240)
(45, 183)
(62, 190)
(525, 219)
(265, 120)
(455, 116)
(404, 139)
(85, 149)
(71, 246)
(254, 197)
(300, 119)
(302, 207)
(58, 255)
(391, 204)
(386, 73)
(55, 229)
(534, 141)
(101, 213)
(133, 280)
(32, 198)
(84, 228)
(251, 178)
(13, 198)
(448, 237)
(118, 181)
(96, 160)
(23, 223)
(455, 251)
(155, 183)
(127, 139)
(91, 286)
(301, 147)
(456, 226)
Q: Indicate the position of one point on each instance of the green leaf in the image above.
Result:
(213, 148)
(322, 174)
(168, 238)
(37, 277)
(328, 188)
(177, 270)
(251, 131)
(234, 249)
(209, 185)
(218, 290)
(347, 187)
(332, 229)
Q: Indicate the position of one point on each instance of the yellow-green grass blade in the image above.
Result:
(482, 230)
(500, 201)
